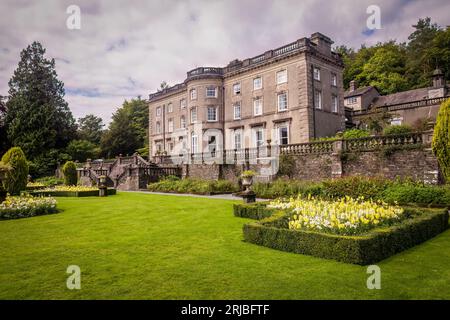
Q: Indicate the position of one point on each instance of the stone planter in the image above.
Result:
(248, 195)
(247, 182)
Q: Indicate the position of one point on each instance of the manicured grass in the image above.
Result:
(142, 246)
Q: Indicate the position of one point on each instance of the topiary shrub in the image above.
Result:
(441, 139)
(70, 173)
(17, 177)
(397, 130)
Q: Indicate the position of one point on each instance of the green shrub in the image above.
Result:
(70, 173)
(286, 165)
(397, 130)
(286, 188)
(372, 247)
(376, 188)
(17, 176)
(255, 211)
(50, 181)
(356, 186)
(423, 195)
(193, 186)
(172, 178)
(441, 139)
(355, 133)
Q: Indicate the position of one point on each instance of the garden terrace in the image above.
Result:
(146, 246)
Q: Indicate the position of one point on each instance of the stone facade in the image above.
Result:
(287, 95)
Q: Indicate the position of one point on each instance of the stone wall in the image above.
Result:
(418, 164)
(391, 157)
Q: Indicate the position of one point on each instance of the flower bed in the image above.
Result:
(374, 245)
(376, 188)
(35, 186)
(26, 206)
(346, 216)
(71, 191)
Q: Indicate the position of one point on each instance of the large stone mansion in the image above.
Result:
(287, 95)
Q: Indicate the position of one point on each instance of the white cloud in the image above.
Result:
(126, 48)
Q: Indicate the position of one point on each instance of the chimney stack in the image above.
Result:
(353, 85)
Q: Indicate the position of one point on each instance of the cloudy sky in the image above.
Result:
(126, 48)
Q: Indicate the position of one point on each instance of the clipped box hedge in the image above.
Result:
(374, 246)
(257, 210)
(77, 194)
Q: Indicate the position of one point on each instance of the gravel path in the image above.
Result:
(218, 196)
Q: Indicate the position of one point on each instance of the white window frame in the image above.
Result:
(278, 101)
(193, 94)
(237, 106)
(316, 72)
(282, 76)
(158, 111)
(333, 79)
(170, 108)
(209, 90)
(212, 145)
(194, 143)
(318, 102)
(237, 88)
(255, 136)
(279, 128)
(183, 122)
(352, 100)
(237, 133)
(170, 125)
(255, 105)
(255, 87)
(183, 104)
(215, 114)
(334, 103)
(158, 127)
(193, 112)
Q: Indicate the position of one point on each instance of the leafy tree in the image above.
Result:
(441, 139)
(3, 135)
(354, 62)
(375, 122)
(418, 65)
(438, 54)
(37, 116)
(82, 149)
(70, 173)
(128, 130)
(17, 176)
(385, 69)
(90, 128)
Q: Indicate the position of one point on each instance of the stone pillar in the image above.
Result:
(427, 138)
(336, 165)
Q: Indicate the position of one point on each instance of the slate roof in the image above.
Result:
(401, 97)
(358, 91)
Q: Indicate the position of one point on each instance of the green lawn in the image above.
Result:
(141, 246)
